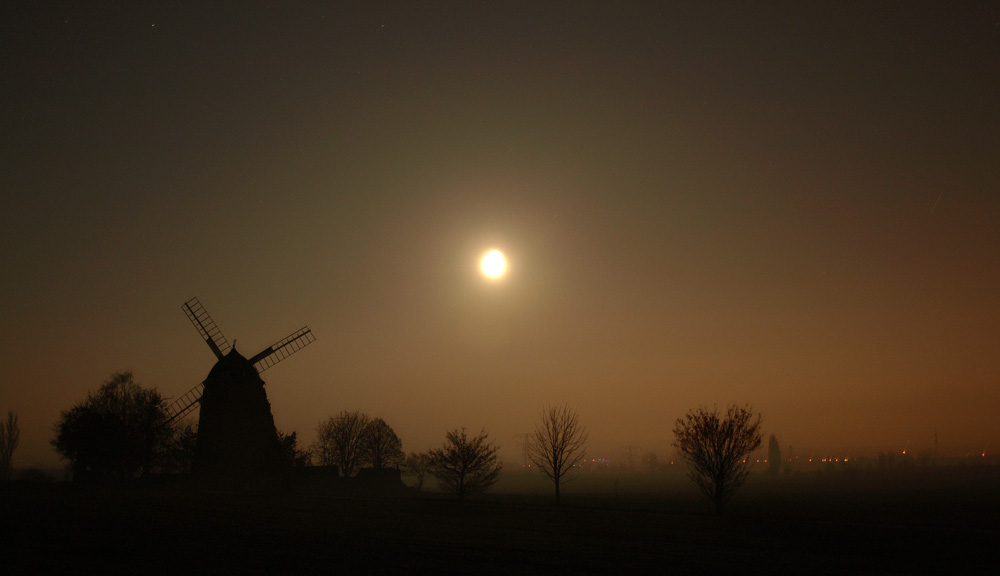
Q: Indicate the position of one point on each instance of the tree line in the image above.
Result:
(463, 465)
(10, 436)
(123, 431)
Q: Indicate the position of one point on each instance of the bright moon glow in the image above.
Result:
(493, 264)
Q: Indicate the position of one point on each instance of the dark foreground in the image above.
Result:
(70, 529)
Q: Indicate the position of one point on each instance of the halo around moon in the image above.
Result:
(493, 264)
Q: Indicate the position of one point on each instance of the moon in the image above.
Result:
(493, 264)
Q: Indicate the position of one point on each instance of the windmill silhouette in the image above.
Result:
(236, 433)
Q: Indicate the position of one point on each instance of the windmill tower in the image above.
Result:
(236, 433)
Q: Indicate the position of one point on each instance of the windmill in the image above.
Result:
(236, 433)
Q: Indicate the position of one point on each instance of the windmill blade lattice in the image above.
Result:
(206, 327)
(183, 406)
(283, 349)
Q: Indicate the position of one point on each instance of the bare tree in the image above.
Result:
(557, 444)
(418, 465)
(715, 448)
(10, 435)
(339, 441)
(466, 465)
(380, 447)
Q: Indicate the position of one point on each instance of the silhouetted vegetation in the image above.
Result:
(715, 448)
(179, 455)
(36, 476)
(351, 440)
(380, 446)
(466, 465)
(773, 456)
(557, 444)
(418, 465)
(10, 435)
(121, 430)
(293, 455)
(339, 441)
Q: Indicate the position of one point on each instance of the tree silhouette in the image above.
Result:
(380, 446)
(466, 465)
(418, 465)
(557, 445)
(120, 430)
(715, 449)
(773, 456)
(10, 435)
(339, 441)
(180, 452)
(292, 455)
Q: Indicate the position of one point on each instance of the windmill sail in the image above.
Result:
(206, 327)
(183, 406)
(283, 349)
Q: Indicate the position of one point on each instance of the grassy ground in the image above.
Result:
(905, 524)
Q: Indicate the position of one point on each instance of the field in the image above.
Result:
(940, 520)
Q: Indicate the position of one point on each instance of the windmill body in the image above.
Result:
(236, 432)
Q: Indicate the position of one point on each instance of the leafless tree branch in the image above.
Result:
(557, 445)
(715, 448)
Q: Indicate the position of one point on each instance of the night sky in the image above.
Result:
(794, 205)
